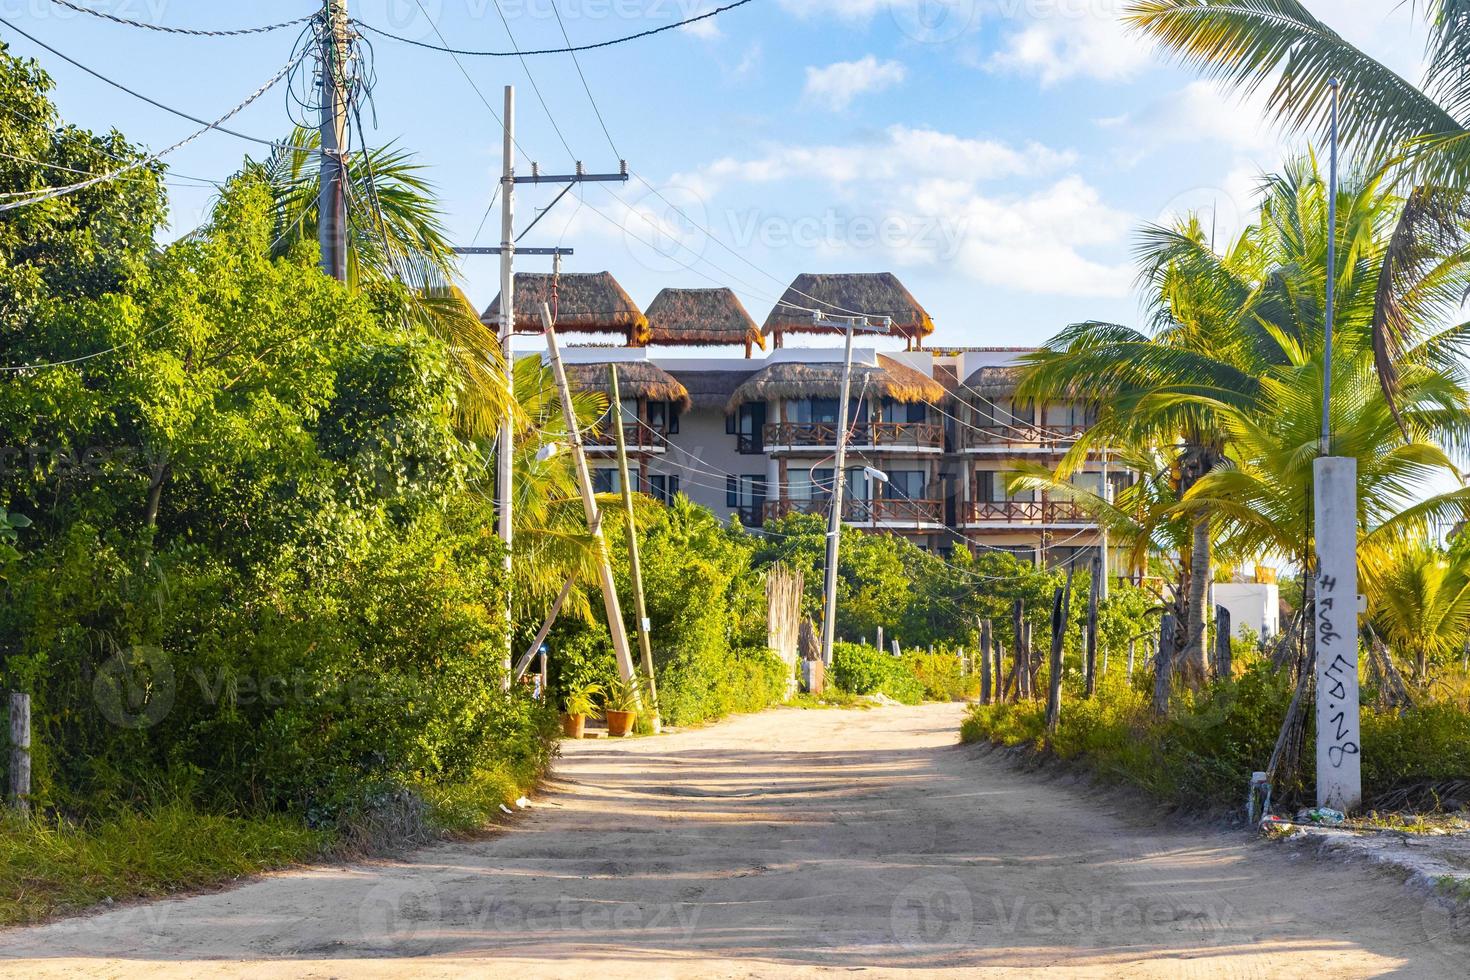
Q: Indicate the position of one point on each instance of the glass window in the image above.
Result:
(905, 485)
(606, 481)
(663, 488)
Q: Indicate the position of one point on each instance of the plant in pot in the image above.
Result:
(620, 708)
(579, 703)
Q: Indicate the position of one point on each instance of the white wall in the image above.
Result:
(1251, 604)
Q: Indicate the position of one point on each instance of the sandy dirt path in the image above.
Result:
(788, 843)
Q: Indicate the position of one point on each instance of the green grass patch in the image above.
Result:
(48, 869)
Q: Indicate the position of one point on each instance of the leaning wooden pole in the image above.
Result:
(525, 662)
(635, 568)
(594, 517)
(1022, 666)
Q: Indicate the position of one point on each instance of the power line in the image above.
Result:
(181, 181)
(181, 30)
(56, 133)
(56, 192)
(446, 49)
(84, 357)
(135, 94)
(532, 79)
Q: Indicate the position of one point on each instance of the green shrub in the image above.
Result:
(861, 669)
(939, 673)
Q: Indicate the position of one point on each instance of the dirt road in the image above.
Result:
(788, 843)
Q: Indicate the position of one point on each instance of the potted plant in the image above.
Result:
(579, 703)
(620, 708)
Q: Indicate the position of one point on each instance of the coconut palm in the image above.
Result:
(1423, 129)
(395, 238)
(1421, 601)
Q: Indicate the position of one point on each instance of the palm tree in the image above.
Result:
(1421, 129)
(397, 248)
(1421, 601)
(1221, 323)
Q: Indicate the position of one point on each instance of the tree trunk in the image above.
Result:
(1194, 665)
(158, 473)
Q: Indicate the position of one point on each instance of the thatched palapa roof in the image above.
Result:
(636, 379)
(712, 389)
(994, 381)
(889, 379)
(701, 316)
(871, 294)
(587, 302)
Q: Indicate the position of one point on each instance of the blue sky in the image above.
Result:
(996, 154)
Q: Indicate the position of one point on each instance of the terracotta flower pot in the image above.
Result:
(620, 723)
(572, 725)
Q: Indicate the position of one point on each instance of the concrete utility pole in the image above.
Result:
(1107, 495)
(834, 521)
(505, 456)
(635, 567)
(331, 197)
(1339, 753)
(589, 504)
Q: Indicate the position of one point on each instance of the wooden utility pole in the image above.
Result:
(985, 664)
(645, 647)
(331, 193)
(20, 752)
(1093, 596)
(589, 503)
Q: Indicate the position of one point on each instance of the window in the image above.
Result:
(750, 426)
(905, 485)
(898, 412)
(606, 481)
(663, 417)
(745, 491)
(663, 488)
(1091, 482)
(990, 486)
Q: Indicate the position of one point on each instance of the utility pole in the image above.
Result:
(1104, 567)
(505, 457)
(589, 504)
(331, 198)
(834, 521)
(1337, 604)
(635, 567)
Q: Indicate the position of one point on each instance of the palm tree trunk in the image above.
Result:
(1194, 667)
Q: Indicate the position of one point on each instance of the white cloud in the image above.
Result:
(900, 152)
(1197, 113)
(1057, 40)
(836, 85)
(708, 29)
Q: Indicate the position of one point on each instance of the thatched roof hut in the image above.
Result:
(889, 379)
(993, 381)
(702, 316)
(712, 389)
(636, 379)
(587, 302)
(871, 294)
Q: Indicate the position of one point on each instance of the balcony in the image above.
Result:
(1023, 512)
(639, 438)
(881, 512)
(916, 436)
(1059, 438)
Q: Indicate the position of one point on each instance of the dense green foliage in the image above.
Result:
(248, 567)
(861, 669)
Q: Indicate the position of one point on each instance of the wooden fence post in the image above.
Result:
(1223, 666)
(985, 640)
(20, 752)
(999, 694)
(1018, 650)
(1164, 666)
(1061, 614)
(1092, 596)
(1033, 664)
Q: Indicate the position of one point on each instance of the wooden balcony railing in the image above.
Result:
(1024, 512)
(881, 511)
(638, 438)
(1021, 434)
(886, 435)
